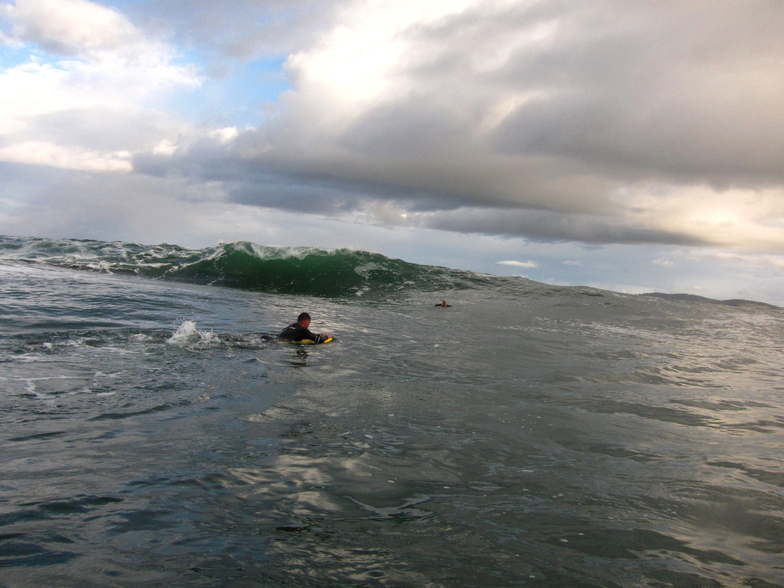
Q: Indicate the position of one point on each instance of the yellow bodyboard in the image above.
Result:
(308, 341)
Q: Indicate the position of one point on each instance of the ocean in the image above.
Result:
(156, 434)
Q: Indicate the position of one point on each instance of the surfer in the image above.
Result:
(299, 331)
(444, 304)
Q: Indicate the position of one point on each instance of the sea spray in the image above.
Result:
(188, 335)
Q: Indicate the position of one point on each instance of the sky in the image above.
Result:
(631, 146)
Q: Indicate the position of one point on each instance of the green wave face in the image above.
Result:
(298, 270)
(285, 270)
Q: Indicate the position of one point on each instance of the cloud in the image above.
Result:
(43, 153)
(235, 31)
(764, 261)
(76, 28)
(552, 120)
(86, 102)
(554, 226)
(523, 264)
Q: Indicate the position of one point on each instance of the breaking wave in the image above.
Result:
(283, 270)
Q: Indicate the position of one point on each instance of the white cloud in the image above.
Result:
(49, 154)
(362, 61)
(740, 259)
(82, 30)
(165, 147)
(225, 135)
(102, 55)
(523, 264)
(105, 65)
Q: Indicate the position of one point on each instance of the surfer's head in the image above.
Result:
(304, 319)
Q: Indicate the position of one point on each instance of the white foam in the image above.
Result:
(188, 334)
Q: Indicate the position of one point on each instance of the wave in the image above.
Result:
(284, 270)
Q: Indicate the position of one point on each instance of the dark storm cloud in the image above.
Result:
(544, 226)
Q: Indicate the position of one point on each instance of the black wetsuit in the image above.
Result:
(296, 332)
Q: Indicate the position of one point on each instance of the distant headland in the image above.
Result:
(694, 298)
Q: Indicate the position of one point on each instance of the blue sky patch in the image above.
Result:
(239, 98)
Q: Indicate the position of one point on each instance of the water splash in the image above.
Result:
(187, 335)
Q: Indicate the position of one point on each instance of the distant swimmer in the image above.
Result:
(444, 304)
(298, 332)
